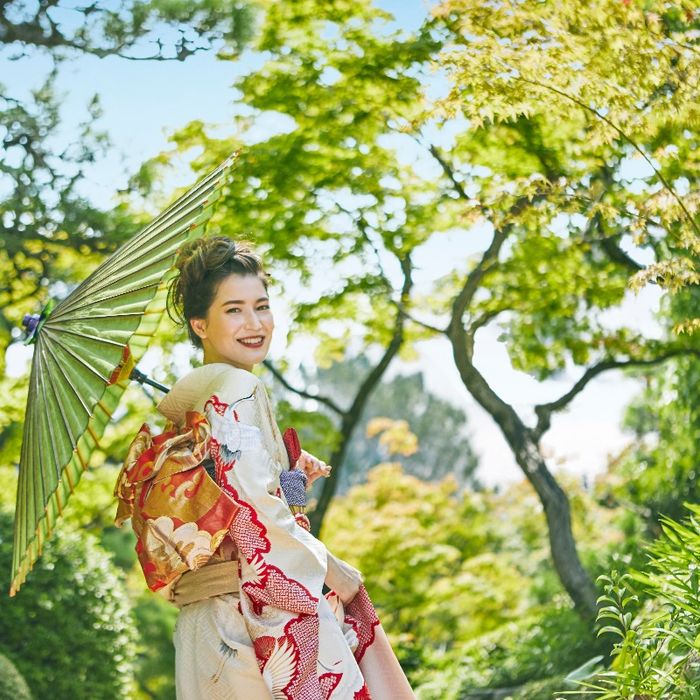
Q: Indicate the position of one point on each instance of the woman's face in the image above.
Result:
(239, 324)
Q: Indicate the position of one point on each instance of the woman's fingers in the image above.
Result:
(312, 466)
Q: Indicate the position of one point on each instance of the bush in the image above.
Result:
(557, 688)
(546, 644)
(464, 582)
(69, 630)
(12, 684)
(656, 654)
(155, 662)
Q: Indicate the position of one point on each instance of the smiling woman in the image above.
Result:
(238, 326)
(220, 293)
(217, 505)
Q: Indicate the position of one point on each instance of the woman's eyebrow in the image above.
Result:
(242, 301)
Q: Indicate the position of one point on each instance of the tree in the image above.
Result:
(134, 29)
(49, 232)
(624, 71)
(515, 68)
(293, 196)
(370, 167)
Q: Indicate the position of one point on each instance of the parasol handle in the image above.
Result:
(142, 378)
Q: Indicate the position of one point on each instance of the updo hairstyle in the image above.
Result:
(201, 266)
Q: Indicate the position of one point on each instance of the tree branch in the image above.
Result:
(417, 321)
(623, 134)
(361, 225)
(352, 417)
(301, 392)
(449, 172)
(616, 254)
(544, 411)
(473, 279)
(118, 35)
(479, 322)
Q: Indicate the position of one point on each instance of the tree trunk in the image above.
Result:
(352, 416)
(330, 485)
(350, 420)
(528, 455)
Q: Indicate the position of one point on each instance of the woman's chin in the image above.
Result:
(249, 358)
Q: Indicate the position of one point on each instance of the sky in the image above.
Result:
(144, 102)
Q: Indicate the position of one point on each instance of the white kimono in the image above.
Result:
(278, 636)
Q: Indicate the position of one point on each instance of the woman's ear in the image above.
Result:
(199, 326)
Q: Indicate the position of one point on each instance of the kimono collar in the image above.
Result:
(194, 389)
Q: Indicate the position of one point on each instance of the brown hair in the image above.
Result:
(201, 266)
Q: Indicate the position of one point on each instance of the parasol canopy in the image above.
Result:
(86, 347)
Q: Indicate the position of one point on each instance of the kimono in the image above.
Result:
(216, 536)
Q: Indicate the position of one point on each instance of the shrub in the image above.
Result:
(12, 684)
(69, 629)
(656, 654)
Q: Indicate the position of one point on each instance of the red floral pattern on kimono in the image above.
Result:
(179, 515)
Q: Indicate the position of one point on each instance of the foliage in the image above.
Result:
(69, 630)
(155, 655)
(657, 474)
(618, 73)
(14, 393)
(51, 236)
(656, 653)
(653, 610)
(12, 684)
(293, 196)
(528, 654)
(317, 431)
(91, 512)
(49, 231)
(462, 580)
(548, 690)
(370, 170)
(569, 134)
(165, 29)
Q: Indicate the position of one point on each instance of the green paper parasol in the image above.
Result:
(85, 349)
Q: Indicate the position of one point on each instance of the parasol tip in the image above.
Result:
(33, 322)
(30, 322)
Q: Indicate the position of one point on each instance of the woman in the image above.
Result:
(215, 504)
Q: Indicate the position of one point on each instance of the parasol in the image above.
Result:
(86, 347)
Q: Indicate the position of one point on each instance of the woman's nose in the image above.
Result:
(252, 321)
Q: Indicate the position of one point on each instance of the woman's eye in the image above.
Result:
(264, 307)
(233, 310)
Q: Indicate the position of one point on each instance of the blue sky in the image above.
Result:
(144, 102)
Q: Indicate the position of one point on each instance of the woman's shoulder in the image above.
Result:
(191, 391)
(218, 370)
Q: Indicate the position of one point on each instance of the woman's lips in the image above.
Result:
(252, 342)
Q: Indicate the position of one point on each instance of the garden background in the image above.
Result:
(481, 220)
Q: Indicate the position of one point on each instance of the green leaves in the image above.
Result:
(463, 581)
(615, 77)
(70, 633)
(657, 650)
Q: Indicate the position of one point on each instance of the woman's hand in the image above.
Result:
(344, 579)
(312, 467)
